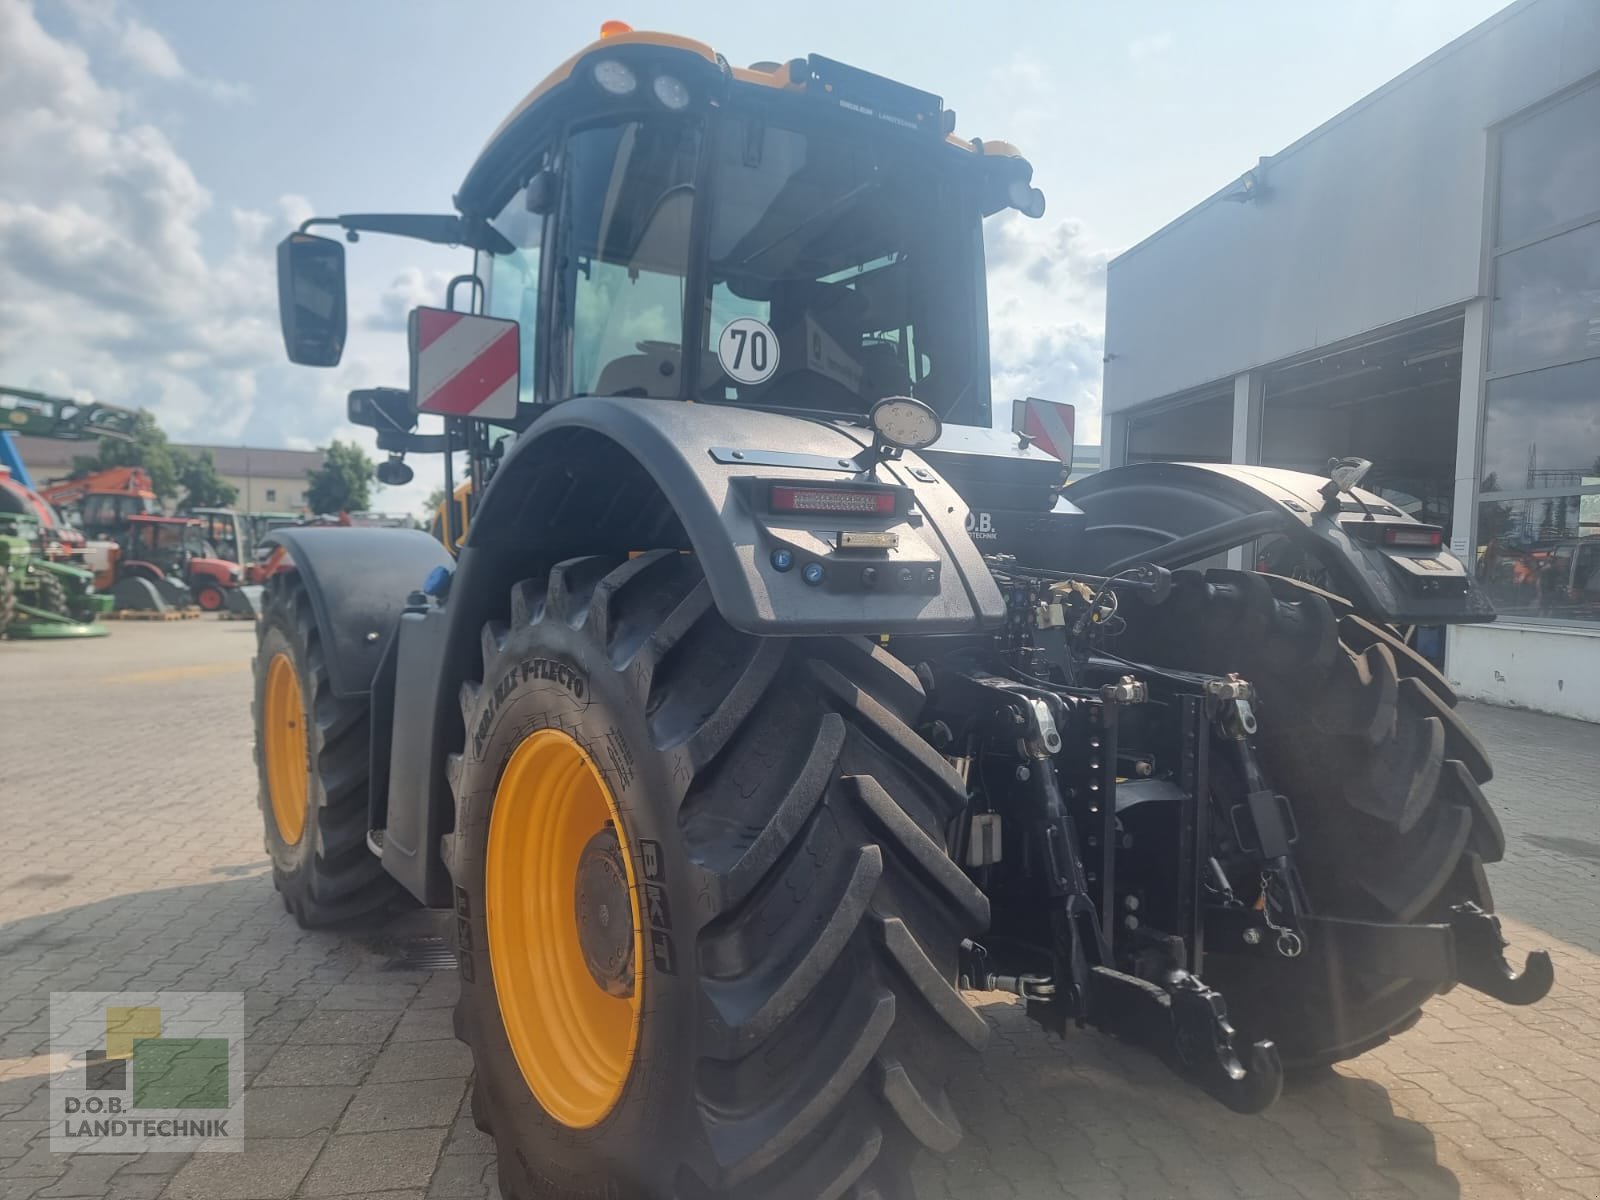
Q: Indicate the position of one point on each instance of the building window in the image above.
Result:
(1538, 543)
(272, 495)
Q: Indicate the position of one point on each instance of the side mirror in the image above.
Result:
(311, 301)
(383, 409)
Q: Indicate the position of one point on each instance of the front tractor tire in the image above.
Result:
(312, 765)
(209, 596)
(1361, 734)
(706, 923)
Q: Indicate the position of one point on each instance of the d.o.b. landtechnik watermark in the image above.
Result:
(146, 1071)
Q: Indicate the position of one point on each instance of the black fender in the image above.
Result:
(575, 483)
(135, 593)
(358, 580)
(1202, 509)
(609, 475)
(136, 568)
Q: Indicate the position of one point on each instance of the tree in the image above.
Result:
(343, 483)
(431, 505)
(202, 486)
(149, 449)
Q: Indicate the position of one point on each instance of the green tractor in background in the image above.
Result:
(40, 598)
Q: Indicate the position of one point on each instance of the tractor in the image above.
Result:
(46, 588)
(165, 562)
(775, 698)
(230, 534)
(41, 596)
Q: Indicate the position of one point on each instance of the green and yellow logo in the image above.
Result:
(147, 1071)
(167, 1072)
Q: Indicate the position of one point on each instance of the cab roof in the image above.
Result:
(794, 76)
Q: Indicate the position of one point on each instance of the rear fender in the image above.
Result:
(358, 580)
(603, 475)
(577, 482)
(1133, 511)
(213, 570)
(138, 569)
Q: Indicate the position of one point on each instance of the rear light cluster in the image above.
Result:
(1405, 535)
(845, 501)
(1408, 535)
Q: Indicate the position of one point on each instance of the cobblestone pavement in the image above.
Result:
(134, 861)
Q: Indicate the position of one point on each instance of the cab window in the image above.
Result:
(513, 280)
(629, 206)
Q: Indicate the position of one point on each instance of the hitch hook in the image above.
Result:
(1205, 1045)
(1481, 960)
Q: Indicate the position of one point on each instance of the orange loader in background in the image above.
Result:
(106, 500)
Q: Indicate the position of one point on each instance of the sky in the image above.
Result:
(152, 155)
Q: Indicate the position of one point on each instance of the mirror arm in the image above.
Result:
(471, 232)
(411, 443)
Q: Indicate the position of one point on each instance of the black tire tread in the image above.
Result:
(813, 816)
(341, 880)
(1383, 772)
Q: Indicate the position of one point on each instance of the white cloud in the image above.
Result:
(108, 290)
(1047, 283)
(148, 51)
(1047, 278)
(108, 24)
(410, 288)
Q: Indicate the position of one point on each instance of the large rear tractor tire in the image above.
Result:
(311, 758)
(1362, 736)
(707, 926)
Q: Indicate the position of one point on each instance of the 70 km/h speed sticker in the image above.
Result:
(748, 350)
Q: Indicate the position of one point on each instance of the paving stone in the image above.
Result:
(422, 1060)
(363, 997)
(463, 1175)
(415, 1104)
(332, 1026)
(268, 1168)
(424, 1025)
(292, 1112)
(359, 1164)
(296, 1065)
(356, 1082)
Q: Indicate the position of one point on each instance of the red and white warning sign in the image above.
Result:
(1049, 424)
(464, 365)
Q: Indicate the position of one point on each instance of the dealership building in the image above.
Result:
(1415, 282)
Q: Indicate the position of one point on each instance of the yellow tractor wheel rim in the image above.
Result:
(283, 727)
(554, 882)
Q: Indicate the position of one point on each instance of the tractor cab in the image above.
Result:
(225, 531)
(170, 542)
(106, 514)
(174, 550)
(802, 236)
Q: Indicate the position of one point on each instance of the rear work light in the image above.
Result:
(842, 501)
(1402, 535)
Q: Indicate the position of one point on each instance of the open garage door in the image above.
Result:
(1393, 400)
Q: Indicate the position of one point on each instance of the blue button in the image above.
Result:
(782, 560)
(438, 582)
(812, 573)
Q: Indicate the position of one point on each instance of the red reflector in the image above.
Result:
(831, 500)
(1412, 537)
